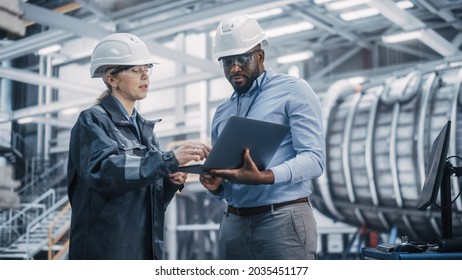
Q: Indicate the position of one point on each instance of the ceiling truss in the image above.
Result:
(157, 22)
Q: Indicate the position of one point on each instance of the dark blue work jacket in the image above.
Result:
(118, 186)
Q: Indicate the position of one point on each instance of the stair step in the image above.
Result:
(38, 234)
(14, 256)
(14, 250)
(23, 246)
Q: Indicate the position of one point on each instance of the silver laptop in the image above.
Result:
(261, 137)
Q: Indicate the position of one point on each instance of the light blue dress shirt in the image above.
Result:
(286, 100)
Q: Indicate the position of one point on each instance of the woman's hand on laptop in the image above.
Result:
(191, 152)
(178, 178)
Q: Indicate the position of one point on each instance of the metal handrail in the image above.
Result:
(53, 240)
(46, 173)
(29, 206)
(39, 219)
(37, 204)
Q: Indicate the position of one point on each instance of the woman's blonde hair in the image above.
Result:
(108, 91)
(102, 96)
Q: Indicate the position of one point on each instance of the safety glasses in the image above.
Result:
(242, 60)
(133, 71)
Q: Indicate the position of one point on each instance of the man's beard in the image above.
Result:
(241, 88)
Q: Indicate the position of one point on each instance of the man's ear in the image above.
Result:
(261, 56)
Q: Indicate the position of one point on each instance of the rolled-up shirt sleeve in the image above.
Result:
(306, 128)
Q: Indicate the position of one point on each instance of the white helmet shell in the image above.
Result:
(118, 49)
(237, 35)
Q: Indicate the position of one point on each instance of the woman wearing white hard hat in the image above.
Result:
(119, 181)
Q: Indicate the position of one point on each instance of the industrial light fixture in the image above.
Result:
(268, 13)
(49, 50)
(289, 29)
(405, 4)
(319, 2)
(294, 70)
(455, 64)
(368, 12)
(70, 111)
(26, 120)
(295, 57)
(363, 13)
(340, 5)
(405, 36)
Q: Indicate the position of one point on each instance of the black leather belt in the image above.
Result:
(250, 211)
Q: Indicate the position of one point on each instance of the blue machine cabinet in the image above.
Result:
(374, 254)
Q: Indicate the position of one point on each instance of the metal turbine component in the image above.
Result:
(378, 145)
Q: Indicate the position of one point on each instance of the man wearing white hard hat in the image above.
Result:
(269, 215)
(119, 181)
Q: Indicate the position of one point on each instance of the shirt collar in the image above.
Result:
(258, 81)
(122, 109)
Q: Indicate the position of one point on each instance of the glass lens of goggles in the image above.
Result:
(241, 60)
(133, 71)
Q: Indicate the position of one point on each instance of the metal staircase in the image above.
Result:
(32, 232)
(38, 226)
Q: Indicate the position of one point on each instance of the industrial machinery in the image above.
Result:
(378, 141)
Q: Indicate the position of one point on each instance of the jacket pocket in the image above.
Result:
(127, 146)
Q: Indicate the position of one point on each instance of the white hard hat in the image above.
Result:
(118, 49)
(237, 35)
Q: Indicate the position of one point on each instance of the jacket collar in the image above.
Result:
(113, 110)
(117, 115)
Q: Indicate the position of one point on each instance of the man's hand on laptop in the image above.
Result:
(247, 174)
(210, 182)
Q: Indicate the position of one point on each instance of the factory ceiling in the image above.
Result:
(333, 31)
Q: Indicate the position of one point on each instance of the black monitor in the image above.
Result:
(435, 168)
(437, 176)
